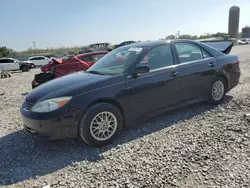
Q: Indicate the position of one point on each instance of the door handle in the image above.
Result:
(174, 74)
(211, 64)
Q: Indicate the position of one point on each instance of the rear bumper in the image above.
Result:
(234, 79)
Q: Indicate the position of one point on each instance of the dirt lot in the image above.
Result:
(196, 146)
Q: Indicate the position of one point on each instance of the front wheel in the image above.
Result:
(100, 125)
(217, 91)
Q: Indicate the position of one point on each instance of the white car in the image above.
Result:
(11, 64)
(39, 60)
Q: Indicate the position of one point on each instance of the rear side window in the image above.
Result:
(2, 61)
(188, 52)
(6, 61)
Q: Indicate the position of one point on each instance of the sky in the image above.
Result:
(57, 23)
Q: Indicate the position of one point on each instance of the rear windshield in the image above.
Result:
(219, 45)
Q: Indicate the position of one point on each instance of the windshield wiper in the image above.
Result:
(94, 72)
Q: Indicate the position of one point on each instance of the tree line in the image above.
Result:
(7, 52)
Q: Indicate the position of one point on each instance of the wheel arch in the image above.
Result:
(109, 101)
(222, 75)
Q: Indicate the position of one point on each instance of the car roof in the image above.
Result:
(159, 42)
(37, 56)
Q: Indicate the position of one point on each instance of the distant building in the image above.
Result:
(246, 32)
(233, 21)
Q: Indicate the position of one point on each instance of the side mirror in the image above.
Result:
(140, 69)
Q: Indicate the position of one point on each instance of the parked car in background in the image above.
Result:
(60, 67)
(149, 78)
(241, 42)
(247, 40)
(39, 60)
(86, 59)
(85, 51)
(11, 64)
(124, 43)
(101, 47)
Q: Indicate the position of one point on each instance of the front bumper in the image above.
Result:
(48, 127)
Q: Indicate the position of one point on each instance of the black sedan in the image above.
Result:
(124, 43)
(130, 83)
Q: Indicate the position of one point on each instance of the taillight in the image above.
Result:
(238, 62)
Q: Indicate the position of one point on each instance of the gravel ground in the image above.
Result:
(196, 146)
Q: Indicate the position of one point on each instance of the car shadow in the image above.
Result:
(17, 71)
(23, 156)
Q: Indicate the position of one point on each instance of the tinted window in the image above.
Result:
(2, 61)
(37, 58)
(6, 61)
(159, 57)
(188, 52)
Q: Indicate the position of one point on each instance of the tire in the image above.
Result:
(222, 86)
(86, 128)
(33, 66)
(25, 68)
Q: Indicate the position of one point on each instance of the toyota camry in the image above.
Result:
(130, 83)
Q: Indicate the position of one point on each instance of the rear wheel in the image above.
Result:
(33, 66)
(25, 68)
(100, 125)
(217, 91)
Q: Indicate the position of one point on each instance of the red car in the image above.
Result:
(84, 61)
(59, 67)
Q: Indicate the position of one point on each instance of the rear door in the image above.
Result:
(13, 64)
(197, 69)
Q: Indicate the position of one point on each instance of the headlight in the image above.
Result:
(50, 104)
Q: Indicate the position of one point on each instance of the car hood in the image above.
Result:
(70, 85)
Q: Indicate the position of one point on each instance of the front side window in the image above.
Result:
(188, 52)
(117, 61)
(159, 57)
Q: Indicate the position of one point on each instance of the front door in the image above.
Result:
(157, 89)
(197, 68)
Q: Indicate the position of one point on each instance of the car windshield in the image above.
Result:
(116, 62)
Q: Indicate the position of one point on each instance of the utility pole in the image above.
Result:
(34, 45)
